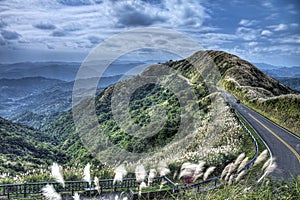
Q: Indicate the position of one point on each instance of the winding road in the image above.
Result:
(283, 145)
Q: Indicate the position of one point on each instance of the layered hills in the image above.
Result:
(213, 134)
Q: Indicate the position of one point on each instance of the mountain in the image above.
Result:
(23, 148)
(65, 71)
(289, 76)
(184, 116)
(287, 72)
(33, 101)
(265, 66)
(293, 83)
(36, 94)
(259, 91)
(236, 75)
(204, 72)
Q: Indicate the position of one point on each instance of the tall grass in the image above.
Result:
(50, 193)
(87, 174)
(56, 172)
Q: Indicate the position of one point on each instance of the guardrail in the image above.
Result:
(106, 185)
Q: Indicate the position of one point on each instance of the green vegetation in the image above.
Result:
(259, 91)
(284, 110)
(268, 189)
(23, 149)
(217, 139)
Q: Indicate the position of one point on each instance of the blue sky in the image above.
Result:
(257, 30)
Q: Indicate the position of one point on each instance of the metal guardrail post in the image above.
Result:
(254, 141)
(24, 189)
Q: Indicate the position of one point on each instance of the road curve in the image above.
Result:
(284, 146)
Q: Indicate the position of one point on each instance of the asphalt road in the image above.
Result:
(284, 146)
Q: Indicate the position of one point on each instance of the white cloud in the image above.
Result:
(170, 13)
(246, 22)
(247, 33)
(252, 44)
(280, 27)
(293, 39)
(266, 33)
(294, 25)
(267, 4)
(76, 20)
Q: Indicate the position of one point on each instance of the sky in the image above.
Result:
(67, 30)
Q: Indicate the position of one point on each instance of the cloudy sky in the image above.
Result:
(259, 30)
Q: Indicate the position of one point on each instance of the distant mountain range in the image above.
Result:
(65, 71)
(42, 89)
(289, 76)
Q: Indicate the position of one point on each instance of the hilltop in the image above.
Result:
(259, 91)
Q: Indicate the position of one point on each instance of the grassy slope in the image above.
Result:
(215, 143)
(23, 148)
(259, 91)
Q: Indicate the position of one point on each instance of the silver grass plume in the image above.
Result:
(238, 160)
(140, 173)
(97, 185)
(56, 172)
(240, 175)
(225, 171)
(208, 172)
(141, 187)
(199, 170)
(120, 173)
(187, 170)
(151, 176)
(87, 174)
(262, 156)
(50, 193)
(243, 164)
(271, 168)
(76, 196)
(163, 168)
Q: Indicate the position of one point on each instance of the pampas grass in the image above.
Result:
(141, 187)
(208, 172)
(76, 196)
(262, 156)
(87, 174)
(56, 172)
(140, 173)
(50, 193)
(120, 173)
(199, 170)
(163, 168)
(271, 168)
(243, 164)
(225, 171)
(240, 175)
(238, 160)
(97, 186)
(151, 176)
(187, 170)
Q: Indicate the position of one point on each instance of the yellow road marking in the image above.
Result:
(279, 138)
